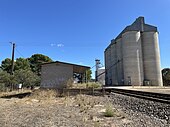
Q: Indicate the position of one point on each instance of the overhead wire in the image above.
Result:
(19, 52)
(45, 44)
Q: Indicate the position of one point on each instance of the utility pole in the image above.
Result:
(97, 68)
(13, 51)
(12, 63)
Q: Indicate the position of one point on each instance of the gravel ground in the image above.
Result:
(77, 111)
(148, 111)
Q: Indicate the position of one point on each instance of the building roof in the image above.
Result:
(138, 25)
(76, 68)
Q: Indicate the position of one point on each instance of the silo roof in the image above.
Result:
(138, 25)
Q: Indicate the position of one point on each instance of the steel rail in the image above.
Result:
(158, 97)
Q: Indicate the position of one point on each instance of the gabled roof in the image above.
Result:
(76, 68)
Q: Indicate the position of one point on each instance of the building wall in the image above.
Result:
(133, 69)
(55, 75)
(113, 61)
(119, 61)
(101, 77)
(151, 58)
(108, 59)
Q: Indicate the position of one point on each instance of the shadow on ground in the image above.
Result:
(19, 95)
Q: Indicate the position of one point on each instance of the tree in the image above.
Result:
(26, 77)
(6, 65)
(36, 60)
(166, 76)
(22, 63)
(7, 79)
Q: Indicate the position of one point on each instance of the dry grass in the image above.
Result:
(14, 92)
(69, 83)
(87, 85)
(44, 94)
(45, 108)
(85, 103)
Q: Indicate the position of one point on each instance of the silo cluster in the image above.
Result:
(133, 57)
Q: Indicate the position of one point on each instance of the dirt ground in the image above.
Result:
(45, 110)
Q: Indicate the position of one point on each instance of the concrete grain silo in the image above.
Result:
(151, 58)
(119, 60)
(108, 65)
(113, 60)
(133, 57)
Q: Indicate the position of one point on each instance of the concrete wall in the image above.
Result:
(131, 60)
(106, 65)
(151, 58)
(101, 77)
(108, 78)
(55, 75)
(119, 65)
(113, 61)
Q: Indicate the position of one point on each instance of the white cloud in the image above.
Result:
(60, 45)
(52, 44)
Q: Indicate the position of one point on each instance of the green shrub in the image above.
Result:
(109, 111)
(2, 87)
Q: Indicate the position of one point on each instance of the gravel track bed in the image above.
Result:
(148, 111)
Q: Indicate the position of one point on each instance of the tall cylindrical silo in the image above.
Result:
(131, 58)
(151, 58)
(108, 64)
(120, 75)
(113, 61)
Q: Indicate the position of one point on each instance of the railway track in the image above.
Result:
(158, 97)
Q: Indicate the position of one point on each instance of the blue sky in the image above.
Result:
(76, 31)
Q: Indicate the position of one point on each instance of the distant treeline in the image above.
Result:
(166, 76)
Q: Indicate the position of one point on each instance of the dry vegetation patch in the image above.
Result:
(44, 94)
(45, 108)
(87, 85)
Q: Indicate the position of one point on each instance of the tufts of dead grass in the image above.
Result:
(87, 85)
(44, 94)
(85, 102)
(14, 92)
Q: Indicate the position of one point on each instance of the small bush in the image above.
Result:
(109, 111)
(2, 87)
